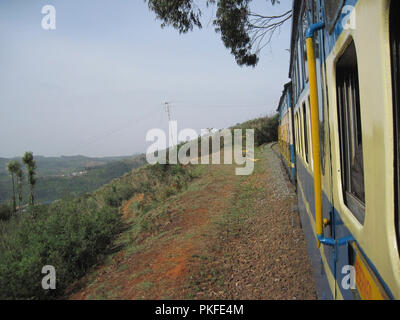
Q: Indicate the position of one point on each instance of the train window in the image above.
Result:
(309, 120)
(296, 124)
(332, 13)
(395, 55)
(295, 132)
(300, 64)
(298, 140)
(300, 135)
(351, 149)
(294, 85)
(305, 27)
(305, 132)
(315, 11)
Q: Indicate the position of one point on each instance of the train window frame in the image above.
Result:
(304, 27)
(395, 74)
(350, 132)
(310, 132)
(315, 11)
(298, 140)
(296, 126)
(301, 134)
(305, 132)
(295, 133)
(300, 63)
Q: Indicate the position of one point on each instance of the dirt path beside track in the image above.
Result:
(225, 237)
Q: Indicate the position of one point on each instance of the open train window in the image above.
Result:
(305, 132)
(350, 132)
(298, 133)
(301, 134)
(395, 56)
(295, 133)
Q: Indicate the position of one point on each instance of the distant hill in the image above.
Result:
(60, 177)
(50, 166)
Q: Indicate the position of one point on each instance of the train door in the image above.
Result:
(347, 83)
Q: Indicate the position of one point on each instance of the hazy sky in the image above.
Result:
(96, 84)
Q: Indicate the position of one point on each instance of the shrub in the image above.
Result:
(70, 234)
(5, 212)
(69, 238)
(265, 129)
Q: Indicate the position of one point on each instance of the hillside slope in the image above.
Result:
(57, 179)
(224, 237)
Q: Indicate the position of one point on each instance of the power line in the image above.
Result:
(222, 106)
(113, 131)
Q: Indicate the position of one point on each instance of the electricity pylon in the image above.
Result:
(170, 129)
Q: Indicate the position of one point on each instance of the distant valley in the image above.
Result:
(66, 176)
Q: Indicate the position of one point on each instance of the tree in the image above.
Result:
(31, 167)
(20, 181)
(242, 31)
(12, 168)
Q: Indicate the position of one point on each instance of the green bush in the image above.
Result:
(71, 234)
(70, 238)
(265, 129)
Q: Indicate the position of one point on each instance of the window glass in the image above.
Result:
(350, 131)
(305, 27)
(332, 12)
(299, 127)
(294, 84)
(296, 137)
(300, 65)
(315, 11)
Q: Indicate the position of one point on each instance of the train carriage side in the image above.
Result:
(285, 132)
(355, 108)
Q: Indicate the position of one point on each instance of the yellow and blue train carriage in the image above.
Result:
(285, 131)
(344, 70)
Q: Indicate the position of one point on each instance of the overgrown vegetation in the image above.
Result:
(68, 236)
(72, 233)
(265, 129)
